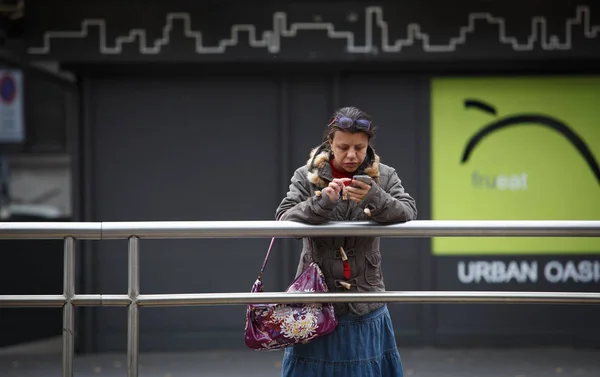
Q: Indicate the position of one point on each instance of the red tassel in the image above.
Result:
(346, 270)
(346, 265)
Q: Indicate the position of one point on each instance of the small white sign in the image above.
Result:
(12, 125)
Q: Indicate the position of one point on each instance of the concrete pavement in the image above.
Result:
(533, 362)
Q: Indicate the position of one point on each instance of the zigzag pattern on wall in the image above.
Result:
(374, 22)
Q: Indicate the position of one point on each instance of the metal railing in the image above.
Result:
(134, 231)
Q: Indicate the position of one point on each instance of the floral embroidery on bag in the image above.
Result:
(298, 330)
(300, 324)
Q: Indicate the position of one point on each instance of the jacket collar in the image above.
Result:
(319, 170)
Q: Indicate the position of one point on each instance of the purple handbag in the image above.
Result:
(274, 326)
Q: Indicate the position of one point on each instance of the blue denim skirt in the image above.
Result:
(360, 346)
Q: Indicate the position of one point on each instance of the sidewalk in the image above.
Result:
(535, 362)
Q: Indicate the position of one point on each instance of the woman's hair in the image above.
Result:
(352, 113)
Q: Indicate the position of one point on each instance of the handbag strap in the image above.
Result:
(262, 269)
(266, 259)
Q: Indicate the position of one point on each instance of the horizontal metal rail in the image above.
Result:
(289, 229)
(50, 230)
(200, 299)
(133, 300)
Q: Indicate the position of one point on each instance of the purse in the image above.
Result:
(275, 326)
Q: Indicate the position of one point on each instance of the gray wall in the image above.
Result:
(224, 148)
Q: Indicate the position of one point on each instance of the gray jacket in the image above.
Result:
(387, 202)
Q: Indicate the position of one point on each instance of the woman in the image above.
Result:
(363, 344)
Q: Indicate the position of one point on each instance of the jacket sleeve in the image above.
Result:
(390, 204)
(301, 205)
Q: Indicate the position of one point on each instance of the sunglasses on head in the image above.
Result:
(345, 123)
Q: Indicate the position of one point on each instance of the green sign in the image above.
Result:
(515, 149)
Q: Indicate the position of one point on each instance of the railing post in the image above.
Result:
(68, 351)
(133, 326)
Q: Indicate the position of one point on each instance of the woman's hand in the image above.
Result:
(335, 188)
(358, 190)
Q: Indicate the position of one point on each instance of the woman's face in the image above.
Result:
(349, 150)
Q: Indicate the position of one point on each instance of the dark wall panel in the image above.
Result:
(182, 149)
(30, 267)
